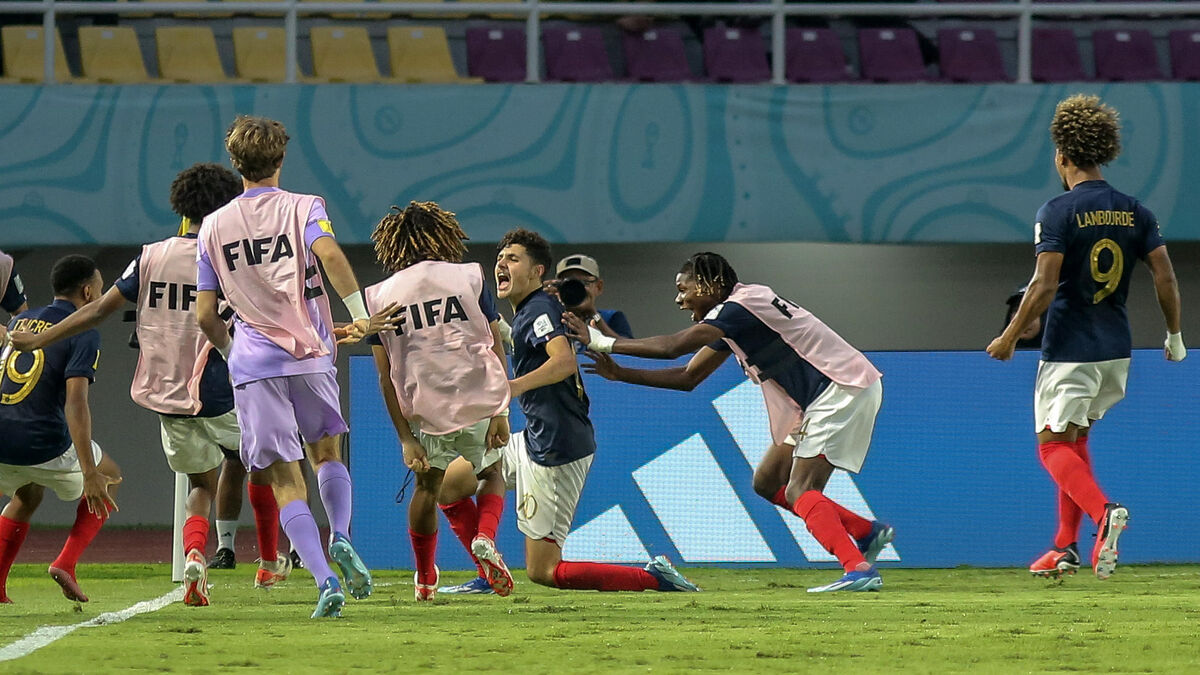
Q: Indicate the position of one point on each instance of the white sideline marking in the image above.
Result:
(48, 634)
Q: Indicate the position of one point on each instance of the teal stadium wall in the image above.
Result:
(602, 163)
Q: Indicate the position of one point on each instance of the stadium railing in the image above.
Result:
(1024, 11)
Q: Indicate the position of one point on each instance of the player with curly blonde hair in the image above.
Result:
(1088, 241)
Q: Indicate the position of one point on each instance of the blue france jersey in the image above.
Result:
(1101, 233)
(33, 387)
(557, 428)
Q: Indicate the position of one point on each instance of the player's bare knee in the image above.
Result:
(766, 484)
(541, 575)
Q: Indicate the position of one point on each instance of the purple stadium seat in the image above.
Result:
(656, 55)
(890, 55)
(1185, 54)
(1056, 56)
(1125, 56)
(576, 54)
(815, 55)
(970, 55)
(735, 55)
(497, 54)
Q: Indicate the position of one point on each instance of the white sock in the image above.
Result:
(226, 531)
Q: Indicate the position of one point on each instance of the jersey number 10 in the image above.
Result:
(1112, 277)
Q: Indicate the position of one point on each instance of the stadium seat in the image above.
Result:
(970, 55)
(890, 55)
(1125, 56)
(188, 54)
(576, 54)
(815, 55)
(1185, 54)
(260, 53)
(111, 54)
(421, 54)
(496, 53)
(343, 54)
(735, 55)
(1055, 56)
(24, 53)
(657, 55)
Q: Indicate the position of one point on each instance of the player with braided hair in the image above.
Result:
(822, 396)
(444, 380)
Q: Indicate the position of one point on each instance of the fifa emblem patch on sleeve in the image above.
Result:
(543, 326)
(326, 226)
(714, 312)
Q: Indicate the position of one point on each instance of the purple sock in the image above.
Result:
(334, 481)
(301, 529)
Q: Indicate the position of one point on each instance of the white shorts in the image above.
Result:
(470, 443)
(193, 444)
(546, 495)
(838, 424)
(61, 474)
(1076, 393)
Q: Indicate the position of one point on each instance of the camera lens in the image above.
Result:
(572, 292)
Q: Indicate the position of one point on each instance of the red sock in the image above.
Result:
(266, 520)
(826, 527)
(425, 553)
(857, 526)
(82, 533)
(1069, 513)
(591, 576)
(1073, 476)
(490, 508)
(780, 498)
(195, 534)
(464, 520)
(12, 535)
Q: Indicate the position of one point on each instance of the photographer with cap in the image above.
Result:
(577, 286)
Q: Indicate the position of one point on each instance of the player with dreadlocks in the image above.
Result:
(444, 380)
(822, 396)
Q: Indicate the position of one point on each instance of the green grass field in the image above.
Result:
(1145, 619)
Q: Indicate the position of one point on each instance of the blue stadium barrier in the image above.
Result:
(953, 467)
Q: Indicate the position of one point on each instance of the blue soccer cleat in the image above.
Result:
(330, 600)
(873, 544)
(853, 581)
(354, 571)
(669, 578)
(476, 586)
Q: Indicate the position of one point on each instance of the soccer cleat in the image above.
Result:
(1104, 554)
(426, 592)
(223, 559)
(476, 586)
(330, 600)
(872, 545)
(1056, 562)
(498, 576)
(297, 563)
(70, 587)
(669, 578)
(354, 571)
(195, 580)
(853, 581)
(269, 574)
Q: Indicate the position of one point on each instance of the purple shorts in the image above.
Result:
(272, 411)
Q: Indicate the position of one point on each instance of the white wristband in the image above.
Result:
(599, 342)
(1174, 346)
(505, 333)
(358, 310)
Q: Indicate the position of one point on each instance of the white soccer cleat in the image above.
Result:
(498, 576)
(195, 580)
(426, 592)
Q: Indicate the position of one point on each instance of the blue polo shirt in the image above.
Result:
(33, 387)
(1102, 233)
(617, 321)
(557, 428)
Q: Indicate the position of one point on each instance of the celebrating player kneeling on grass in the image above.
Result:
(46, 428)
(821, 394)
(443, 376)
(1088, 241)
(262, 250)
(548, 462)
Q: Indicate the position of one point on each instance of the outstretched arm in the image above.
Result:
(685, 378)
(1167, 289)
(78, 322)
(341, 277)
(1038, 297)
(658, 347)
(79, 425)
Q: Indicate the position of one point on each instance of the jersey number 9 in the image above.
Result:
(1112, 277)
(28, 378)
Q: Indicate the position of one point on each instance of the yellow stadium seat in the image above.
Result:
(188, 54)
(260, 53)
(25, 55)
(112, 54)
(343, 54)
(421, 54)
(351, 15)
